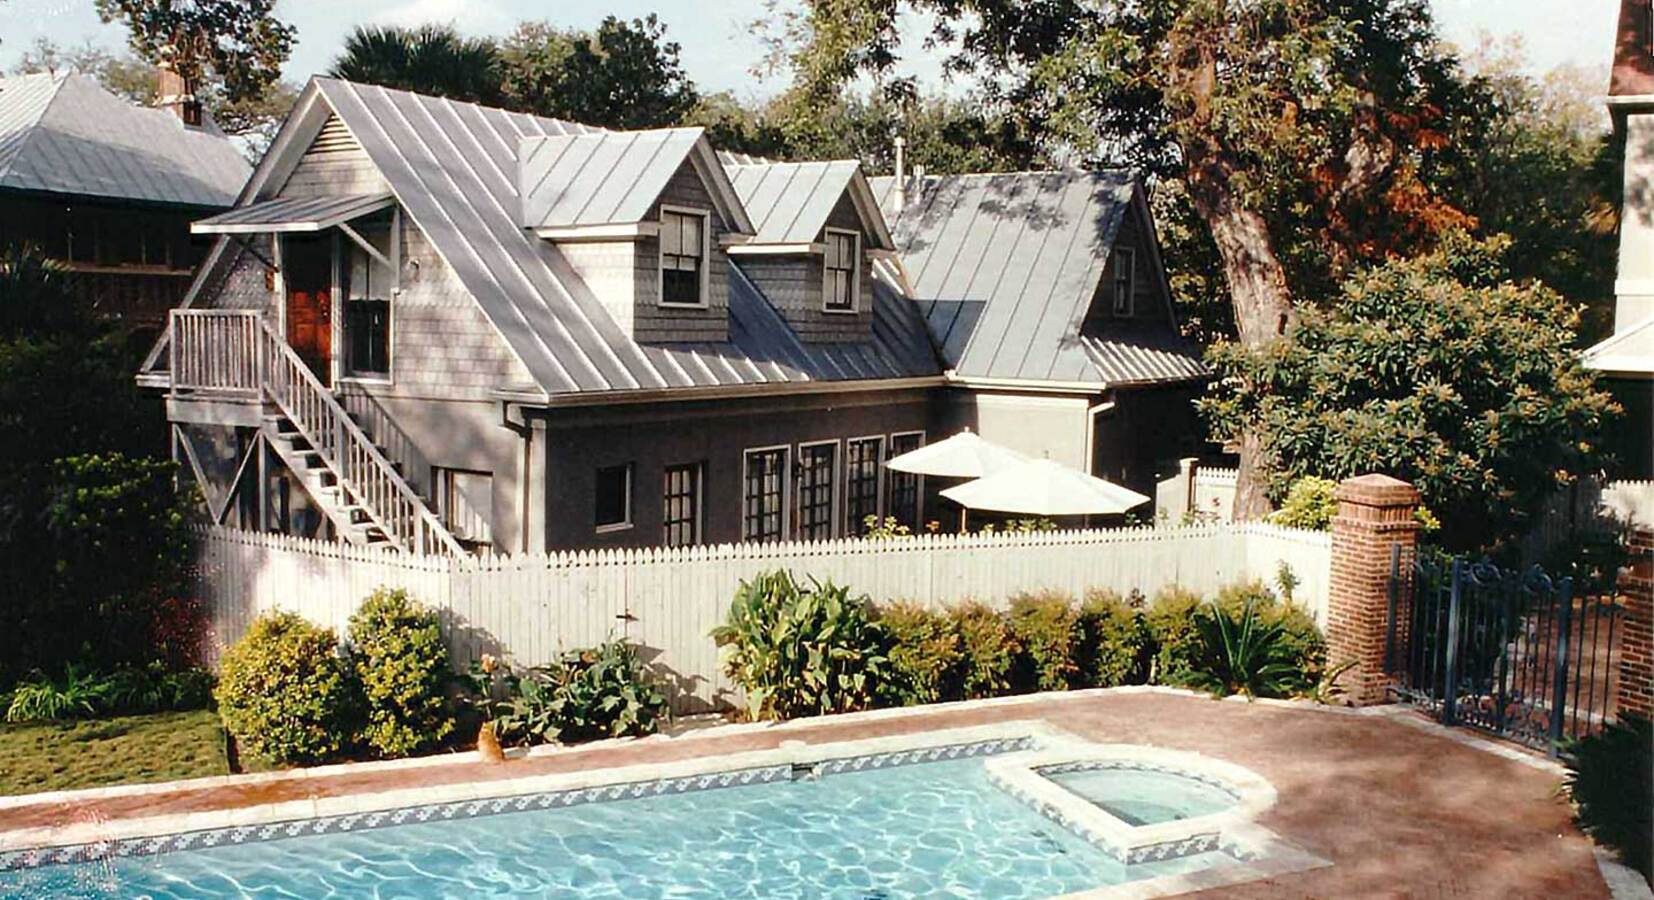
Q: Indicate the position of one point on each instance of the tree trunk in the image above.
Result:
(1257, 287)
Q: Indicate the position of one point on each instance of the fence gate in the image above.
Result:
(1506, 650)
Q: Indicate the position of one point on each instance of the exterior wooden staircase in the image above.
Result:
(363, 494)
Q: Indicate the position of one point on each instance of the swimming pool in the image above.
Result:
(921, 823)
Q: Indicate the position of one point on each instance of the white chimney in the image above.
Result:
(901, 175)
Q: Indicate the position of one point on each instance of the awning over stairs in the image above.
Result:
(289, 214)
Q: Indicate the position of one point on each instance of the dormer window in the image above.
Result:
(1125, 260)
(683, 255)
(843, 270)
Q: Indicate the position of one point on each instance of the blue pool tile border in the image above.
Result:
(15, 860)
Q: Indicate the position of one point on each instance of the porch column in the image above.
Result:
(1636, 676)
(1375, 514)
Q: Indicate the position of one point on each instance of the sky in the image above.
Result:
(718, 46)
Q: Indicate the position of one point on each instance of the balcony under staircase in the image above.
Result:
(364, 495)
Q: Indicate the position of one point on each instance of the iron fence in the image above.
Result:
(1512, 651)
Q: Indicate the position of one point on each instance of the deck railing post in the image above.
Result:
(1450, 687)
(1564, 599)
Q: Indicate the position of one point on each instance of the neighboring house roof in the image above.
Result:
(1005, 267)
(790, 202)
(614, 177)
(1630, 352)
(66, 134)
(453, 168)
(1633, 72)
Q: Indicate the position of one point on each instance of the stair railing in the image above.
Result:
(238, 353)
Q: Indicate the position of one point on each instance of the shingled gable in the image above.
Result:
(603, 185)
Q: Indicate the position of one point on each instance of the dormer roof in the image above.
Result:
(574, 185)
(790, 202)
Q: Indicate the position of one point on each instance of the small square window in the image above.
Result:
(614, 498)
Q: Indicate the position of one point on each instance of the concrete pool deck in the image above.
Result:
(1402, 808)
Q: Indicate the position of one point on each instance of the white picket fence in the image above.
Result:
(531, 606)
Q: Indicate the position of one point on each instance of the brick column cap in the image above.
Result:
(1376, 490)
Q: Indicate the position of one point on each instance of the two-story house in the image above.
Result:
(441, 326)
(108, 189)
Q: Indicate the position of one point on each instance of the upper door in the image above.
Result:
(307, 272)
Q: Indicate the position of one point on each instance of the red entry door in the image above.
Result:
(308, 275)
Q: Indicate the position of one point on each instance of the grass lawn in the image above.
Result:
(126, 750)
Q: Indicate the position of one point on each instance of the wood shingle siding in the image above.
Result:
(794, 283)
(334, 165)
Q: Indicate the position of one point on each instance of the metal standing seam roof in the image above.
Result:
(791, 202)
(598, 178)
(1004, 269)
(291, 214)
(66, 134)
(453, 167)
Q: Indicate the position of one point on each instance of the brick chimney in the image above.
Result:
(173, 92)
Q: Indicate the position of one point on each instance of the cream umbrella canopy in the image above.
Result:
(1042, 487)
(965, 455)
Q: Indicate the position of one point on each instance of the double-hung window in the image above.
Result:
(1125, 260)
(681, 518)
(764, 495)
(902, 488)
(683, 252)
(862, 458)
(843, 268)
(817, 471)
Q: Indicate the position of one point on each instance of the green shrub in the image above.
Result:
(987, 649)
(1171, 624)
(1310, 503)
(77, 695)
(1305, 647)
(133, 690)
(603, 692)
(285, 692)
(1115, 645)
(800, 650)
(924, 653)
(1611, 779)
(1044, 626)
(401, 663)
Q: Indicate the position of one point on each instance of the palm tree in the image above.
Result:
(430, 59)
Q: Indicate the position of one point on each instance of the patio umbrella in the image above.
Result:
(965, 455)
(1043, 487)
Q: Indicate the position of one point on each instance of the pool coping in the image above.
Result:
(1269, 853)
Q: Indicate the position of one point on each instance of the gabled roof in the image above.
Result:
(614, 177)
(65, 134)
(1627, 353)
(791, 202)
(453, 168)
(1633, 72)
(1004, 269)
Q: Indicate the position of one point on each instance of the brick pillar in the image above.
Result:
(1636, 681)
(1375, 512)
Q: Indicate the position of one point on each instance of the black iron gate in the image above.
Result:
(1507, 650)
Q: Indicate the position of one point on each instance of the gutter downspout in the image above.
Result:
(526, 432)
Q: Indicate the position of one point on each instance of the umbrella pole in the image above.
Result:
(964, 520)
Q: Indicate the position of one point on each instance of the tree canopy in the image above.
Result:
(622, 75)
(1438, 369)
(240, 41)
(430, 59)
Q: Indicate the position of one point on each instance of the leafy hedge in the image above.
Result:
(285, 691)
(402, 666)
(1611, 780)
(794, 656)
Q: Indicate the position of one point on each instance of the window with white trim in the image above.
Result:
(367, 288)
(862, 459)
(764, 495)
(683, 251)
(814, 487)
(613, 507)
(843, 270)
(465, 500)
(681, 505)
(1125, 262)
(902, 488)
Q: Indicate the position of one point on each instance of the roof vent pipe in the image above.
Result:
(901, 174)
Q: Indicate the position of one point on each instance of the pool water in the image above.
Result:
(923, 830)
(1145, 796)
